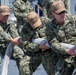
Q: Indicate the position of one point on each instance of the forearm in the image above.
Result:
(53, 42)
(68, 46)
(31, 46)
(15, 41)
(58, 48)
(62, 48)
(11, 40)
(13, 31)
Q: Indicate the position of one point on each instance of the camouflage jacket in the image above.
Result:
(28, 33)
(65, 33)
(21, 9)
(7, 31)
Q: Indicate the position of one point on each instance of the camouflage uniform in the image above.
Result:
(65, 33)
(33, 55)
(21, 9)
(7, 31)
(4, 35)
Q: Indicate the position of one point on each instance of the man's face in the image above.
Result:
(59, 17)
(3, 18)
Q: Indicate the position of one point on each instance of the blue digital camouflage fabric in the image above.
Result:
(33, 55)
(65, 33)
(21, 9)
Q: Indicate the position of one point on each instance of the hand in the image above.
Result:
(15, 40)
(71, 51)
(43, 47)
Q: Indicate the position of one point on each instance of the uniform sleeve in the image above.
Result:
(32, 47)
(13, 31)
(53, 42)
(3, 35)
(45, 20)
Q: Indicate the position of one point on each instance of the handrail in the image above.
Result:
(34, 7)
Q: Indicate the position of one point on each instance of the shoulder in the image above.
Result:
(26, 25)
(51, 23)
(10, 22)
(45, 20)
(71, 18)
(28, 2)
(17, 3)
(26, 28)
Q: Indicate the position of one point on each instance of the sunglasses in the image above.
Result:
(60, 13)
